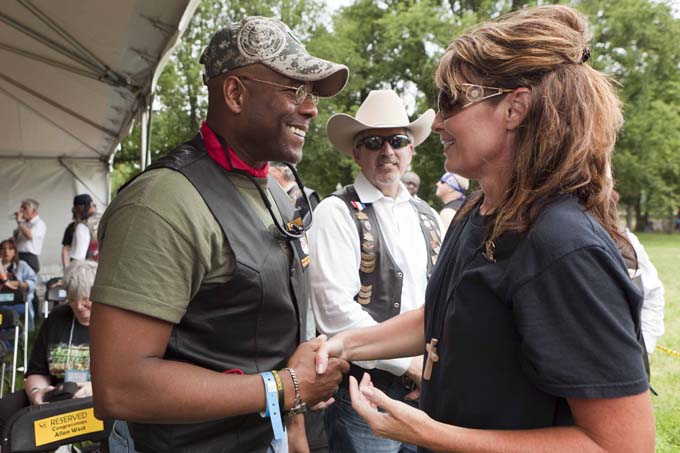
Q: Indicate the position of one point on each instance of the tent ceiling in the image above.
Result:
(74, 73)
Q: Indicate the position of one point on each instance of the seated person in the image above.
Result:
(62, 349)
(17, 277)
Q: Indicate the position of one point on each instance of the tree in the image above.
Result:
(636, 42)
(180, 98)
(396, 44)
(386, 45)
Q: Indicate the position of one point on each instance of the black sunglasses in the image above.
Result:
(291, 230)
(376, 142)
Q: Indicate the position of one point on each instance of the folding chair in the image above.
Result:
(10, 325)
(54, 295)
(8, 297)
(48, 426)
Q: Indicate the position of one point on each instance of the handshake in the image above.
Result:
(319, 370)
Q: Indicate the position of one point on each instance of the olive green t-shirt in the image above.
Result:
(159, 244)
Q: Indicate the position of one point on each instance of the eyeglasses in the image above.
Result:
(301, 92)
(291, 230)
(376, 142)
(449, 104)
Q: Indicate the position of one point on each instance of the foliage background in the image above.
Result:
(396, 44)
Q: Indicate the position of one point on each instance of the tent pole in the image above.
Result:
(144, 119)
(149, 118)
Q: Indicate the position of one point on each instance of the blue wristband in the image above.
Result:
(273, 411)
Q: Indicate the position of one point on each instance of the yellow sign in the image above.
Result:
(65, 426)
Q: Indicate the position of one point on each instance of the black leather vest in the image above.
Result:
(455, 204)
(251, 323)
(381, 278)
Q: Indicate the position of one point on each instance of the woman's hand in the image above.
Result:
(13, 284)
(84, 390)
(37, 394)
(399, 421)
(329, 348)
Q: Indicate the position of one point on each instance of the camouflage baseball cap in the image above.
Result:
(270, 42)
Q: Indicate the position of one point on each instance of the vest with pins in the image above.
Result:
(252, 323)
(381, 278)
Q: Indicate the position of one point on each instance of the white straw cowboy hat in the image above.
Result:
(382, 109)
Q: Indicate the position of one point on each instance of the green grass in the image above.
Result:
(664, 251)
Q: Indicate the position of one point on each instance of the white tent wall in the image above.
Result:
(53, 183)
(73, 75)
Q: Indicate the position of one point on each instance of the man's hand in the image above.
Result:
(37, 395)
(84, 390)
(19, 215)
(415, 373)
(315, 387)
(297, 436)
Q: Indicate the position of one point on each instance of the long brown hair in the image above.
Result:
(12, 244)
(564, 144)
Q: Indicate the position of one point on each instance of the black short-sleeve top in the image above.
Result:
(555, 316)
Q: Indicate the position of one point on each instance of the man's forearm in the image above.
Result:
(163, 391)
(65, 250)
(132, 381)
(25, 230)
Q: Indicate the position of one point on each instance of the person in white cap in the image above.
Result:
(372, 247)
(200, 298)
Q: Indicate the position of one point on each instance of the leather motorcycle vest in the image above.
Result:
(381, 278)
(252, 323)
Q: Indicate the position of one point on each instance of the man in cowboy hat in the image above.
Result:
(201, 290)
(372, 247)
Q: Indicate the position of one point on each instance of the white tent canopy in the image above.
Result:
(73, 76)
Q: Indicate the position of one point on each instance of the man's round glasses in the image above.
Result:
(376, 142)
(449, 103)
(301, 92)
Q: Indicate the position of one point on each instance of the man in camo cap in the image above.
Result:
(201, 283)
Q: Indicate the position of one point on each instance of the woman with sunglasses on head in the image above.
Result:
(531, 322)
(451, 189)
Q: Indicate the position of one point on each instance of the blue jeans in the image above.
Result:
(120, 440)
(349, 433)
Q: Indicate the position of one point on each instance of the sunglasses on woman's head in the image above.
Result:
(449, 104)
(376, 142)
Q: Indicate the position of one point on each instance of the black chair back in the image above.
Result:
(8, 318)
(48, 426)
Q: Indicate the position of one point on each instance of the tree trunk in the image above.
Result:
(640, 219)
(630, 213)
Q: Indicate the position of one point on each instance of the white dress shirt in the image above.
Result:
(653, 301)
(38, 230)
(334, 249)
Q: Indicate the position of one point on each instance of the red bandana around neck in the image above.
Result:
(215, 150)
